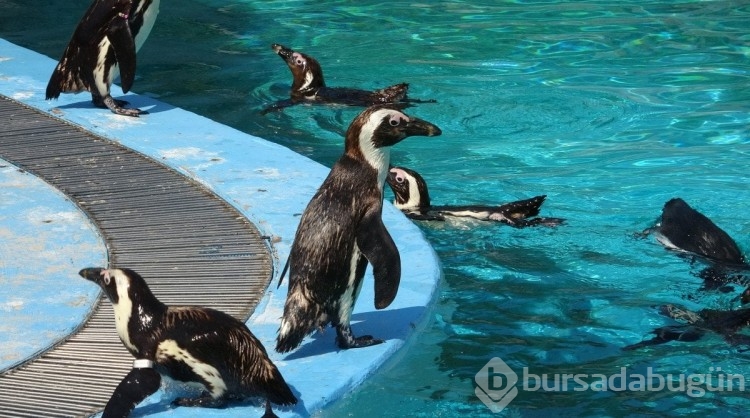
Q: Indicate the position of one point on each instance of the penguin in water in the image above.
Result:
(308, 86)
(341, 230)
(189, 344)
(104, 45)
(726, 323)
(685, 230)
(413, 199)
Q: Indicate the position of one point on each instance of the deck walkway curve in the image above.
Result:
(190, 245)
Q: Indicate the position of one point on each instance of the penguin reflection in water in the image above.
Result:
(341, 230)
(727, 323)
(413, 199)
(104, 45)
(308, 86)
(188, 344)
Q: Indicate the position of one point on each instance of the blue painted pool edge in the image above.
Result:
(269, 184)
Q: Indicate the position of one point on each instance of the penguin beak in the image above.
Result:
(92, 273)
(419, 127)
(282, 51)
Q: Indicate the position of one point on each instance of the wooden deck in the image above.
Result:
(192, 247)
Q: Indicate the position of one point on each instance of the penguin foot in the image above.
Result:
(204, 401)
(358, 342)
(345, 339)
(116, 106)
(269, 412)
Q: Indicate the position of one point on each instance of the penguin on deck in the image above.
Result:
(189, 344)
(682, 228)
(308, 86)
(341, 230)
(413, 199)
(104, 45)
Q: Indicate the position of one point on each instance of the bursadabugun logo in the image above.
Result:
(496, 384)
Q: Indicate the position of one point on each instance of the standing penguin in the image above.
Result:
(189, 344)
(104, 45)
(413, 199)
(341, 230)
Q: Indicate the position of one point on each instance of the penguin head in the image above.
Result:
(409, 189)
(117, 284)
(306, 71)
(379, 127)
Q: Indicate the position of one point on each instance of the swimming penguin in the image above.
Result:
(413, 199)
(104, 45)
(341, 230)
(726, 323)
(684, 229)
(308, 86)
(189, 344)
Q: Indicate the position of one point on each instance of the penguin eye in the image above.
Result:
(106, 277)
(400, 179)
(299, 60)
(396, 120)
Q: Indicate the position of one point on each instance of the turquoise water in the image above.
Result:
(608, 108)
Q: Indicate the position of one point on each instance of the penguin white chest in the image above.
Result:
(350, 295)
(123, 312)
(149, 18)
(377, 158)
(169, 350)
(103, 76)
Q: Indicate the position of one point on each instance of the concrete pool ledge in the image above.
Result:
(270, 185)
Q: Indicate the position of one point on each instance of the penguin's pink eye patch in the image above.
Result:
(105, 275)
(400, 175)
(299, 59)
(397, 119)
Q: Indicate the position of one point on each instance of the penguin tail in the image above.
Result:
(295, 325)
(524, 208)
(66, 78)
(393, 93)
(289, 337)
(278, 391)
(54, 86)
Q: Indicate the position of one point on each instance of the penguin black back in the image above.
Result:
(685, 228)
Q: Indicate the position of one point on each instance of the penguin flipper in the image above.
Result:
(132, 390)
(424, 216)
(123, 43)
(378, 247)
(279, 105)
(283, 273)
(670, 333)
(551, 222)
